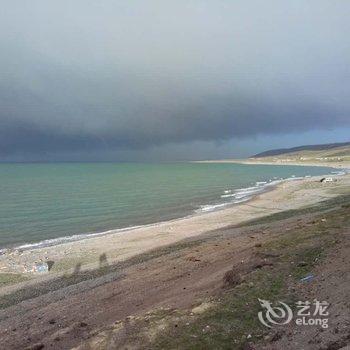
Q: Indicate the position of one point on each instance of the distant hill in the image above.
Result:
(326, 150)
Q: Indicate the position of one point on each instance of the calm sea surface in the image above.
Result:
(48, 201)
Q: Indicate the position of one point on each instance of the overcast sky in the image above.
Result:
(148, 80)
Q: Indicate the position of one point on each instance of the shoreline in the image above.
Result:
(116, 246)
(256, 161)
(202, 210)
(250, 194)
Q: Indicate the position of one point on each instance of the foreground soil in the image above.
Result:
(200, 293)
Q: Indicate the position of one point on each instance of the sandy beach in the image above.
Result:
(118, 246)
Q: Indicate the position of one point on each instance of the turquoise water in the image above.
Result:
(48, 201)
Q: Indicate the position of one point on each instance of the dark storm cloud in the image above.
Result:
(84, 76)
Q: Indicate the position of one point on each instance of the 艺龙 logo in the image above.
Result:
(307, 314)
(277, 315)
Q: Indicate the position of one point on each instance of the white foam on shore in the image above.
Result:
(211, 207)
(244, 194)
(73, 238)
(239, 195)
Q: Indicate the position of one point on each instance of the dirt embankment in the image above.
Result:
(199, 293)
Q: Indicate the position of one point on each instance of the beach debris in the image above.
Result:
(326, 179)
(4, 251)
(307, 278)
(40, 267)
(13, 252)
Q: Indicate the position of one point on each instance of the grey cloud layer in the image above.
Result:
(82, 76)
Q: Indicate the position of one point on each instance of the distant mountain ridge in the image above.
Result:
(277, 152)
